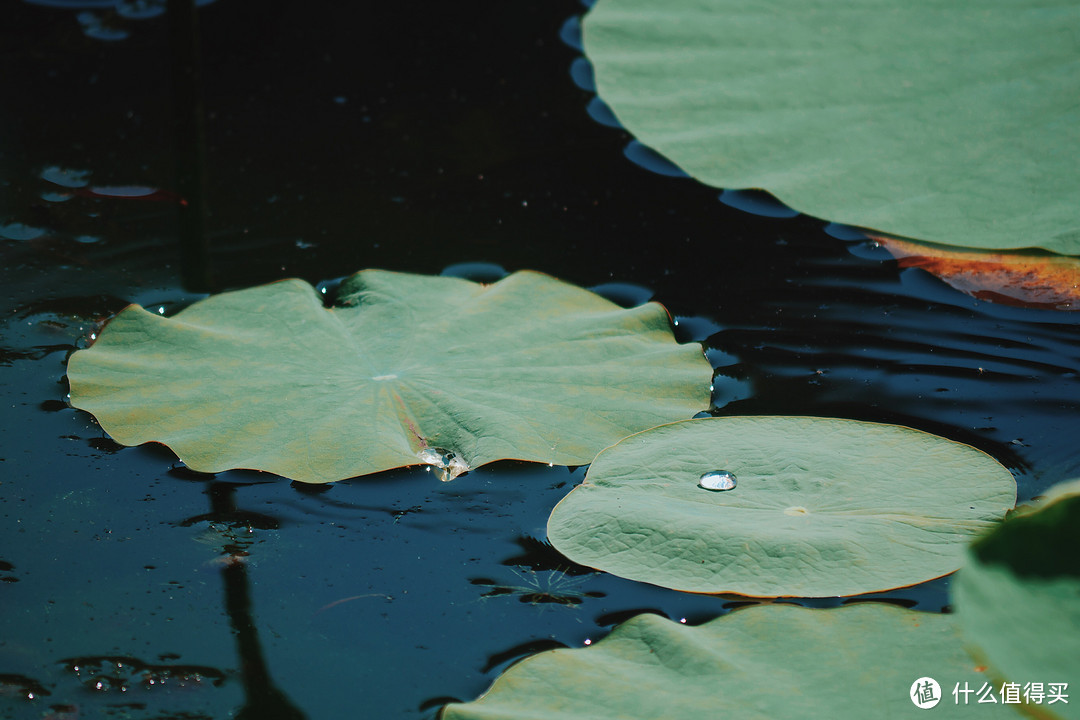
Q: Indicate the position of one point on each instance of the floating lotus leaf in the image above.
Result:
(407, 369)
(954, 123)
(764, 662)
(820, 506)
(1018, 598)
(1033, 279)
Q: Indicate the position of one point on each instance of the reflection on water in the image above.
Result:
(757, 202)
(108, 20)
(645, 157)
(467, 113)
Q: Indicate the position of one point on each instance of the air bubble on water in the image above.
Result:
(449, 463)
(717, 480)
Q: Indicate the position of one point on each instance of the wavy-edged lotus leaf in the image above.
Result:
(406, 369)
(1018, 597)
(821, 506)
(767, 662)
(954, 123)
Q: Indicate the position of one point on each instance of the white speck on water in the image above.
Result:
(717, 480)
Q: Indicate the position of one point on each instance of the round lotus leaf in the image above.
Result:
(819, 506)
(955, 122)
(1018, 599)
(406, 369)
(757, 663)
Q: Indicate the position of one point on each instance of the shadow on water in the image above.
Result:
(189, 131)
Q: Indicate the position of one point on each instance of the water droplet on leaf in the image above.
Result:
(717, 480)
(448, 462)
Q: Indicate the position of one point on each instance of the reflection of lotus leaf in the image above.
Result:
(1018, 596)
(407, 370)
(955, 123)
(822, 507)
(757, 663)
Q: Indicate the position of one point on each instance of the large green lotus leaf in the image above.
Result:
(267, 378)
(1018, 597)
(953, 122)
(767, 662)
(822, 506)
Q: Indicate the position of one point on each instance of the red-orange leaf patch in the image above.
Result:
(1033, 280)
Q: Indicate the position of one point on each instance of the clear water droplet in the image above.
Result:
(716, 480)
(449, 463)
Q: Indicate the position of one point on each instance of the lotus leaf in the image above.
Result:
(954, 123)
(1018, 598)
(767, 662)
(821, 506)
(406, 369)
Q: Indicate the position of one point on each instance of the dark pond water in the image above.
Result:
(411, 136)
